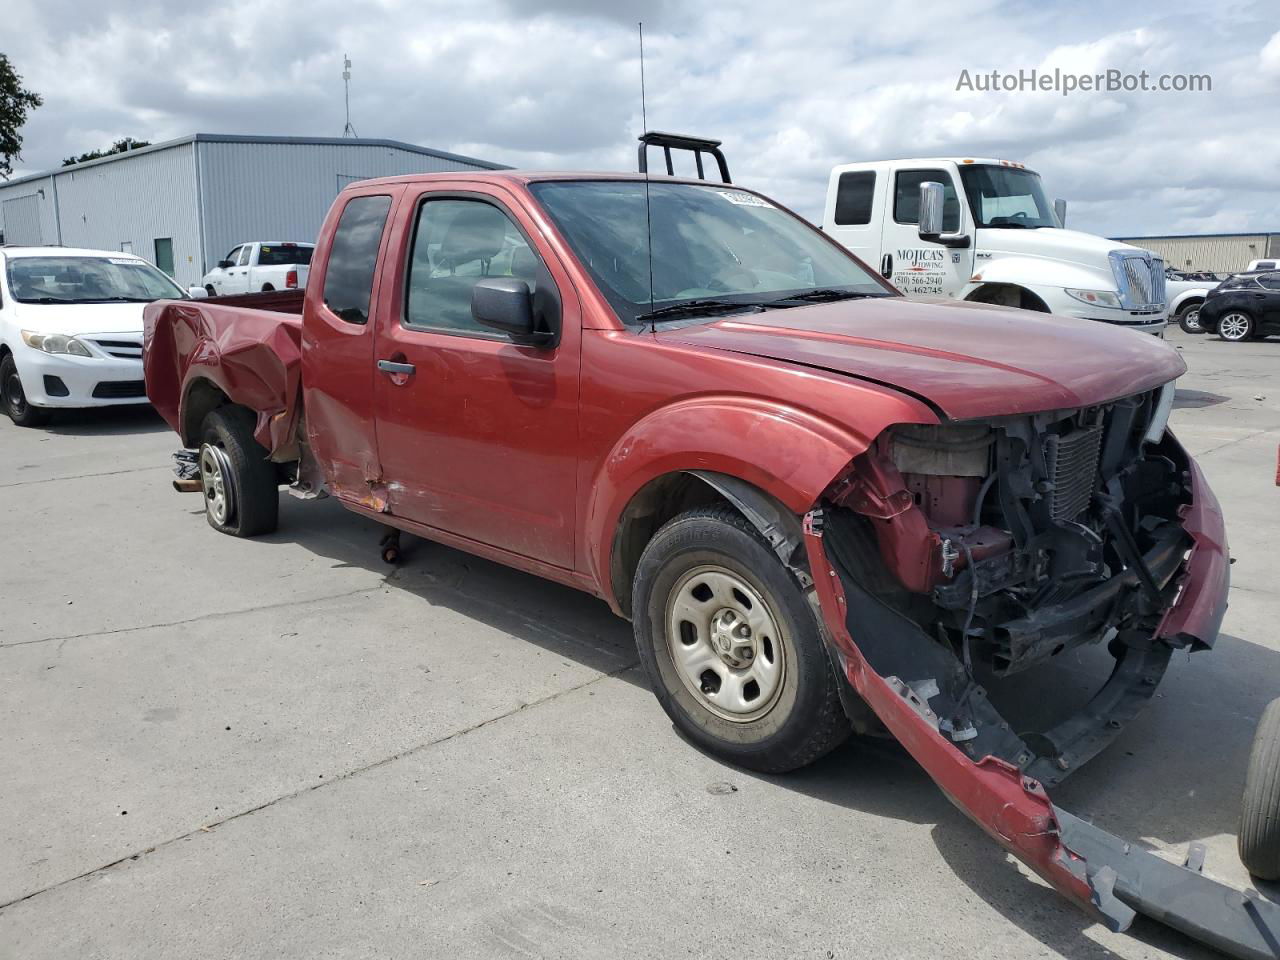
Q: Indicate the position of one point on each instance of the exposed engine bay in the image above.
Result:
(1005, 542)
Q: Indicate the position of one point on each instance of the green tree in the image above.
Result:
(120, 146)
(15, 102)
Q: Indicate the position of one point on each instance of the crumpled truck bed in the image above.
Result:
(252, 354)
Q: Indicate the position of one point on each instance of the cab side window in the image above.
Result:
(456, 244)
(906, 197)
(853, 198)
(353, 257)
(234, 256)
(245, 253)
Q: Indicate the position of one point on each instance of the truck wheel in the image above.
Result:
(267, 288)
(731, 646)
(208, 288)
(1259, 840)
(14, 399)
(241, 488)
(1189, 319)
(1236, 326)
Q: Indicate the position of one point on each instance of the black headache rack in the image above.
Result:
(678, 141)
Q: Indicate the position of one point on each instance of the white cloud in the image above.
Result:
(791, 90)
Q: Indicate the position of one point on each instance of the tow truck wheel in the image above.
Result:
(731, 646)
(14, 400)
(241, 488)
(1259, 840)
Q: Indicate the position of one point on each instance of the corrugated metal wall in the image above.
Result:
(134, 201)
(281, 191)
(1217, 254)
(17, 203)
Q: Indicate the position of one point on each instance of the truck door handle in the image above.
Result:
(886, 266)
(391, 366)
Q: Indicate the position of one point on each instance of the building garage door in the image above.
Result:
(22, 221)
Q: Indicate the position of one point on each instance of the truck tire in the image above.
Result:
(731, 645)
(208, 288)
(1189, 319)
(14, 399)
(1259, 839)
(241, 487)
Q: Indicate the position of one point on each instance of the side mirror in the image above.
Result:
(1060, 211)
(197, 293)
(932, 198)
(223, 264)
(506, 304)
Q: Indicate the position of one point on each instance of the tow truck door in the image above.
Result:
(917, 267)
(477, 435)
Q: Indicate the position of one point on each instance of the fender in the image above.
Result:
(790, 454)
(1196, 293)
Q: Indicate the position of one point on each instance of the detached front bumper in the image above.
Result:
(1101, 873)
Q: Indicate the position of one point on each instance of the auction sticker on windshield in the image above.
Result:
(744, 199)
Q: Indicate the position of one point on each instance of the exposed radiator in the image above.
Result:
(1072, 459)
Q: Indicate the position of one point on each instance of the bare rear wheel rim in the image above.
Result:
(215, 481)
(725, 643)
(1234, 326)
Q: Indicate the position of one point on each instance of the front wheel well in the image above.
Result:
(1008, 295)
(666, 497)
(1187, 304)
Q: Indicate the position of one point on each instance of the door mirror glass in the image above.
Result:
(506, 304)
(931, 197)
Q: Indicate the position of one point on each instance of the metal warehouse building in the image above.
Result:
(184, 203)
(1214, 252)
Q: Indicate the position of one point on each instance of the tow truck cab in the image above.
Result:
(1000, 241)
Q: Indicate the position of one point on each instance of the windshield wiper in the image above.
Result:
(118, 300)
(696, 308)
(42, 300)
(823, 295)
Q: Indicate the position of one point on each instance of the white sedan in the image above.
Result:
(71, 328)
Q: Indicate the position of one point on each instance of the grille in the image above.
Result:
(1072, 460)
(120, 389)
(1141, 280)
(125, 349)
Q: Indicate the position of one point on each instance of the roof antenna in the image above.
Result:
(648, 218)
(348, 130)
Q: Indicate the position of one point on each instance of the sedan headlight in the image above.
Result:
(1100, 298)
(55, 343)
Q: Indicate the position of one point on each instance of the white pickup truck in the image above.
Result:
(260, 266)
(998, 240)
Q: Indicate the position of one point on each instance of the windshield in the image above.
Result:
(284, 255)
(711, 244)
(1006, 197)
(88, 280)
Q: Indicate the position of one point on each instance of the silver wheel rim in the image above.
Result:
(725, 644)
(1193, 318)
(1234, 326)
(213, 478)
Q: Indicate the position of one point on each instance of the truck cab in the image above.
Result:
(1000, 241)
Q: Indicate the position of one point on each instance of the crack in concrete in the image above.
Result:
(79, 476)
(311, 788)
(1230, 443)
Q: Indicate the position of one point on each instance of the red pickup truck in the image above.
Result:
(823, 506)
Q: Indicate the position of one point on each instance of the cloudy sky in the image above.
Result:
(791, 88)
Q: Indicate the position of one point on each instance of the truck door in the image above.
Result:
(237, 275)
(916, 267)
(477, 435)
(853, 217)
(337, 344)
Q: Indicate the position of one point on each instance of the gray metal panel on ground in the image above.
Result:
(274, 190)
(150, 196)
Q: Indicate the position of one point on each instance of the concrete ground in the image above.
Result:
(282, 748)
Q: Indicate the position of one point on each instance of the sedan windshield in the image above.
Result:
(715, 248)
(88, 280)
(1006, 197)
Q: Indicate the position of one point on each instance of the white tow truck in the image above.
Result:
(988, 234)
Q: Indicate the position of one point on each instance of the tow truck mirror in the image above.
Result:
(929, 230)
(505, 304)
(1060, 211)
(197, 293)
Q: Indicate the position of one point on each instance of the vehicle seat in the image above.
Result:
(474, 236)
